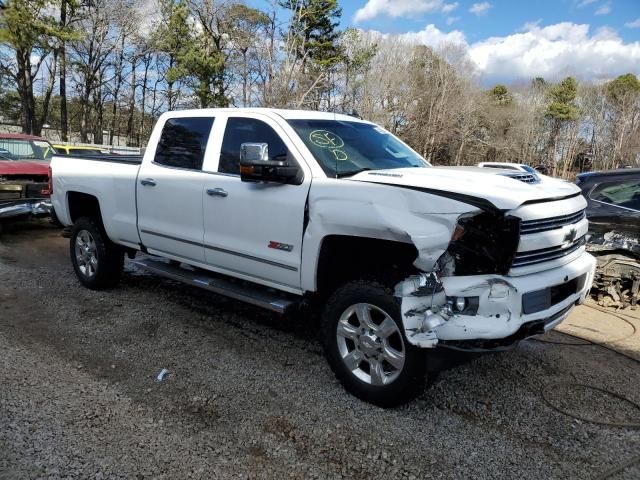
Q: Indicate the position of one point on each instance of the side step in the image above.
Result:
(244, 291)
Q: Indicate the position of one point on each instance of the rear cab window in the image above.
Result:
(183, 142)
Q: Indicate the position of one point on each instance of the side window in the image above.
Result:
(622, 194)
(183, 142)
(248, 130)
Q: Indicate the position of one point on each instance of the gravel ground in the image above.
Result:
(249, 394)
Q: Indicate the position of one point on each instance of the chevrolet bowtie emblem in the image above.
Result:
(571, 235)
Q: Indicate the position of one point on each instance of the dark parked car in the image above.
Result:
(613, 210)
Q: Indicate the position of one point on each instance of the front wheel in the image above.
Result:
(366, 347)
(97, 261)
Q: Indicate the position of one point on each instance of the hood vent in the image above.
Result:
(523, 177)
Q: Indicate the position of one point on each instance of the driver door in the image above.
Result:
(254, 230)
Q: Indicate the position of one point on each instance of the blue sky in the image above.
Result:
(502, 17)
(514, 41)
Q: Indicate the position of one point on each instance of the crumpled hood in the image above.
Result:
(20, 167)
(484, 184)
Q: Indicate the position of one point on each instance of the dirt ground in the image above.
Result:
(249, 394)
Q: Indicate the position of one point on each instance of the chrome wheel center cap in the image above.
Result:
(369, 344)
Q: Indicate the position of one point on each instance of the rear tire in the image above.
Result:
(97, 261)
(366, 347)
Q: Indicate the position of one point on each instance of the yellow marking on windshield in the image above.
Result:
(325, 139)
(331, 141)
(340, 155)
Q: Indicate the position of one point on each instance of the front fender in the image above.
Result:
(342, 207)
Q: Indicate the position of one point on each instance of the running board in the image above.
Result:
(238, 290)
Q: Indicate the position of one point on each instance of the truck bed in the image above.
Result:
(112, 179)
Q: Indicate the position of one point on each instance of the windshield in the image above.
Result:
(345, 148)
(15, 149)
(529, 169)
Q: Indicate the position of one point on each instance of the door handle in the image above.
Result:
(217, 192)
(148, 182)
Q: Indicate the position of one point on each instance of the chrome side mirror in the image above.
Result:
(255, 166)
(251, 153)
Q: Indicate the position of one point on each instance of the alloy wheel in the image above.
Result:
(370, 344)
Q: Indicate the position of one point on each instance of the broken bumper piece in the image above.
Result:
(25, 207)
(505, 309)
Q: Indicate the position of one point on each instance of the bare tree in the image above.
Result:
(90, 56)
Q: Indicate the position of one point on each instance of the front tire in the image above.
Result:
(366, 347)
(97, 261)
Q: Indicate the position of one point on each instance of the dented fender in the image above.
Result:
(369, 210)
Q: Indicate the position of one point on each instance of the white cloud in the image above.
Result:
(584, 3)
(430, 35)
(449, 7)
(530, 25)
(452, 20)
(554, 51)
(604, 9)
(480, 8)
(633, 24)
(150, 16)
(401, 8)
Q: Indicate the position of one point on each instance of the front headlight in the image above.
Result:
(484, 244)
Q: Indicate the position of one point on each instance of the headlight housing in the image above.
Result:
(485, 243)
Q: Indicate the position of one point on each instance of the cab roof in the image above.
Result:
(284, 113)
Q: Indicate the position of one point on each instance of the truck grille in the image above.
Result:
(546, 224)
(533, 257)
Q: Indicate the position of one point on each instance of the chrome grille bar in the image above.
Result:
(546, 224)
(532, 257)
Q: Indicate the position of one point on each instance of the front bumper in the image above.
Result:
(17, 208)
(501, 313)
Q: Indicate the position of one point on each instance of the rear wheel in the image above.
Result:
(366, 347)
(97, 261)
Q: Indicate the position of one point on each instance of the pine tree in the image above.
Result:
(500, 95)
(314, 30)
(29, 30)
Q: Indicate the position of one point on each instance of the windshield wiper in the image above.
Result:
(351, 172)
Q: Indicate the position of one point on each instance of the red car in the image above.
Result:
(24, 175)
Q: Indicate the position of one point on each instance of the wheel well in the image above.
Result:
(343, 258)
(83, 205)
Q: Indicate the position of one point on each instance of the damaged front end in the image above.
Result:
(482, 244)
(469, 302)
(617, 280)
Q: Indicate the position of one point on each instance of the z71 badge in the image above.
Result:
(280, 246)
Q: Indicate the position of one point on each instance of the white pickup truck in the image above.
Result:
(276, 206)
